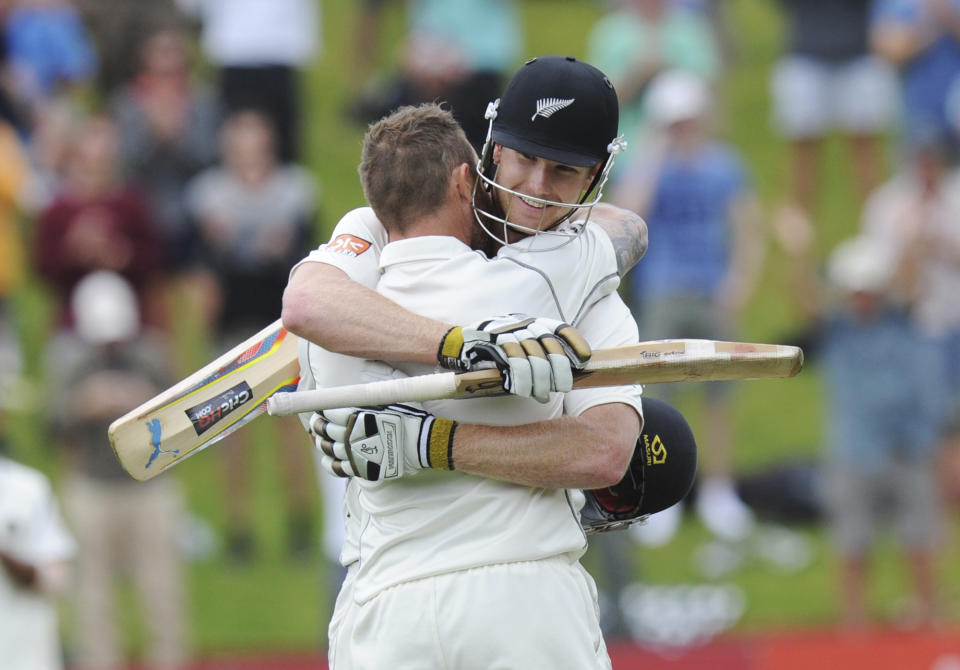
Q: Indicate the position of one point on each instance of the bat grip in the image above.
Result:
(410, 389)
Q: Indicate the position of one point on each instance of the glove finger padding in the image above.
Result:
(337, 450)
(517, 374)
(551, 357)
(336, 467)
(560, 365)
(541, 373)
(328, 438)
(575, 347)
(332, 428)
(552, 368)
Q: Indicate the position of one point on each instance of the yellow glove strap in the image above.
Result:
(441, 444)
(451, 345)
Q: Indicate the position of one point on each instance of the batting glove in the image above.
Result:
(381, 443)
(534, 355)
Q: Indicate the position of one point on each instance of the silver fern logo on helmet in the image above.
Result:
(547, 107)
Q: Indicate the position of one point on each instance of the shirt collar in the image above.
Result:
(428, 248)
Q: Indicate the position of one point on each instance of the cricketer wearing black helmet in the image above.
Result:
(551, 143)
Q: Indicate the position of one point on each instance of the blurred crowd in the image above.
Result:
(151, 178)
(878, 309)
(151, 182)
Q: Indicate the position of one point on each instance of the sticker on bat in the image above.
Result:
(484, 387)
(206, 415)
(156, 438)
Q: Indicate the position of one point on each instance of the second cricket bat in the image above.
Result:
(262, 372)
(208, 405)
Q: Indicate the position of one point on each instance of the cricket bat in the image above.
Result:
(653, 362)
(208, 405)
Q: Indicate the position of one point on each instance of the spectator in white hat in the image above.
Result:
(125, 529)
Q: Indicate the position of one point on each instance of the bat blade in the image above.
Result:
(654, 362)
(207, 405)
(664, 361)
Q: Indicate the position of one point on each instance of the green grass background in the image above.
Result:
(279, 604)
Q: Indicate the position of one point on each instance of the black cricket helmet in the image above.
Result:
(561, 109)
(660, 475)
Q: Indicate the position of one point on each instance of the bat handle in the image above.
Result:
(410, 389)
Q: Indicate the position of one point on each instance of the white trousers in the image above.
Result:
(512, 616)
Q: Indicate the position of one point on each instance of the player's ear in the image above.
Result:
(463, 179)
(497, 151)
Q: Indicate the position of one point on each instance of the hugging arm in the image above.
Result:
(627, 231)
(323, 305)
(591, 450)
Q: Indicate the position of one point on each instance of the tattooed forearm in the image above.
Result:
(627, 231)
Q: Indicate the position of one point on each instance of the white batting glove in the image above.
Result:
(380, 443)
(535, 355)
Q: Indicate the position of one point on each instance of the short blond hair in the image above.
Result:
(407, 160)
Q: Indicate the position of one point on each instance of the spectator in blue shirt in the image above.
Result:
(48, 49)
(921, 38)
(704, 258)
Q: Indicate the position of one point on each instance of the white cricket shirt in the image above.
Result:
(437, 522)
